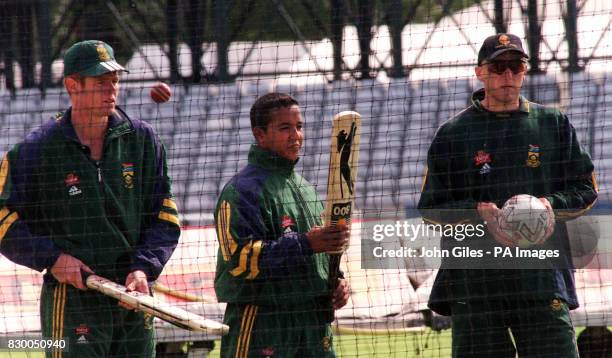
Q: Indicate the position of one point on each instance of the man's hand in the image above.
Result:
(328, 238)
(135, 281)
(67, 269)
(341, 294)
(489, 212)
(550, 225)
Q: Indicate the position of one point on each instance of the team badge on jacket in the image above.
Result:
(287, 222)
(533, 156)
(128, 175)
(72, 182)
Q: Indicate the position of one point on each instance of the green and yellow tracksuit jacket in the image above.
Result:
(116, 215)
(261, 218)
(482, 156)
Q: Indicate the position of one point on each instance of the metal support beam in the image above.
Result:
(337, 26)
(43, 18)
(365, 13)
(501, 26)
(534, 36)
(394, 14)
(25, 45)
(171, 38)
(571, 36)
(221, 8)
(6, 45)
(195, 13)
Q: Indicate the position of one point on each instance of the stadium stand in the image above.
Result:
(207, 133)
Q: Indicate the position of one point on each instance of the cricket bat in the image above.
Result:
(343, 160)
(158, 308)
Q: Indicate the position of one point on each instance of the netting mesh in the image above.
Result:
(290, 46)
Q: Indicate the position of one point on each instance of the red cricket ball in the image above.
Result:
(161, 92)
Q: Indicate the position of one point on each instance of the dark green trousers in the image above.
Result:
(94, 324)
(501, 328)
(264, 331)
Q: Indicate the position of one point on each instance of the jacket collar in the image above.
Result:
(269, 160)
(118, 124)
(479, 95)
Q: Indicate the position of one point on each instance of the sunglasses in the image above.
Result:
(499, 67)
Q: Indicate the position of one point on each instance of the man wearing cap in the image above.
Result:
(89, 192)
(500, 146)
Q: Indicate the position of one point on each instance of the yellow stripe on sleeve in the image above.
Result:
(228, 235)
(220, 235)
(6, 224)
(169, 203)
(169, 217)
(255, 260)
(4, 172)
(565, 214)
(226, 241)
(424, 179)
(4, 213)
(244, 255)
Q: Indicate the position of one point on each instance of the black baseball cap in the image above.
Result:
(90, 58)
(495, 45)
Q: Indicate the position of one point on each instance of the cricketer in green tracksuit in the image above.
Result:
(89, 192)
(273, 277)
(501, 146)
(116, 215)
(483, 156)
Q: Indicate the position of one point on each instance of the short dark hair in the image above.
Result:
(264, 105)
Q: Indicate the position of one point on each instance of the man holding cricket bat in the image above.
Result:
(273, 266)
(89, 192)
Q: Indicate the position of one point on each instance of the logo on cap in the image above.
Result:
(102, 53)
(504, 40)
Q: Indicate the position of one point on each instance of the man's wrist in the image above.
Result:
(52, 260)
(142, 268)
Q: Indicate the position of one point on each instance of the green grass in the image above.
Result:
(426, 344)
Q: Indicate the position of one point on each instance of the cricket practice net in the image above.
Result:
(289, 46)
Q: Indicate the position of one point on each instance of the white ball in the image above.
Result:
(524, 216)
